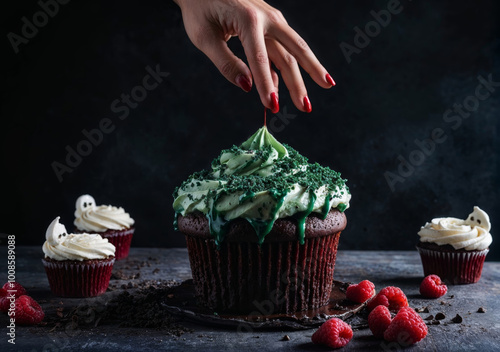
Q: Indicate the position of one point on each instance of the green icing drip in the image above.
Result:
(301, 217)
(326, 208)
(341, 207)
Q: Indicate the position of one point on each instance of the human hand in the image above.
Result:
(266, 37)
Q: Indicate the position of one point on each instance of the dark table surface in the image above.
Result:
(477, 332)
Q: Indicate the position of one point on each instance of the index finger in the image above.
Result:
(255, 50)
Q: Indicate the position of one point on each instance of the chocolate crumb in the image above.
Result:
(426, 310)
(285, 338)
(481, 310)
(452, 296)
(156, 271)
(430, 317)
(440, 316)
(457, 319)
(436, 322)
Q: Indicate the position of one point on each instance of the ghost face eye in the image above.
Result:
(472, 218)
(479, 221)
(85, 204)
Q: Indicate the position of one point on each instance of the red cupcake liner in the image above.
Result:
(275, 277)
(121, 239)
(71, 278)
(462, 267)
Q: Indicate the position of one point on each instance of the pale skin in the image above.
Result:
(266, 38)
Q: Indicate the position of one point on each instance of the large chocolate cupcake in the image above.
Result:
(455, 249)
(262, 228)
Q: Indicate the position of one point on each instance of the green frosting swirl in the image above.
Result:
(260, 181)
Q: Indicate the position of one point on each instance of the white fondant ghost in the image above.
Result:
(84, 203)
(55, 232)
(479, 218)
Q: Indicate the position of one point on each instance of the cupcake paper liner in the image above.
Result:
(453, 267)
(275, 277)
(70, 278)
(121, 240)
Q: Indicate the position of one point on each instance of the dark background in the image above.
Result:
(394, 91)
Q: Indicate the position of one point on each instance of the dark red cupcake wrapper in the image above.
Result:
(462, 267)
(69, 278)
(277, 277)
(121, 240)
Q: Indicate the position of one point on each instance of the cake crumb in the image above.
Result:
(481, 310)
(440, 316)
(285, 338)
(457, 319)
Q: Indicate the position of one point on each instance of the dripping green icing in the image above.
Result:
(302, 216)
(326, 208)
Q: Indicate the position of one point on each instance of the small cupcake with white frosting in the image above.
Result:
(455, 249)
(110, 222)
(77, 265)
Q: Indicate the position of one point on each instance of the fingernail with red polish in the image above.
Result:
(307, 104)
(244, 83)
(275, 106)
(329, 79)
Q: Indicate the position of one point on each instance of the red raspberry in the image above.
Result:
(406, 328)
(4, 303)
(361, 292)
(28, 311)
(378, 320)
(432, 287)
(15, 288)
(334, 333)
(391, 297)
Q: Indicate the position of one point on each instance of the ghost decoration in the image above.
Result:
(479, 218)
(56, 232)
(83, 204)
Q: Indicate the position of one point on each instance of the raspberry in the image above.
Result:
(4, 302)
(334, 333)
(15, 288)
(406, 328)
(432, 287)
(391, 297)
(361, 292)
(28, 311)
(378, 320)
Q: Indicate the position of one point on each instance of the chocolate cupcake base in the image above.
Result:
(453, 266)
(279, 276)
(74, 278)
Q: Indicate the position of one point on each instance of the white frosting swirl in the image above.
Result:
(90, 217)
(60, 245)
(470, 234)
